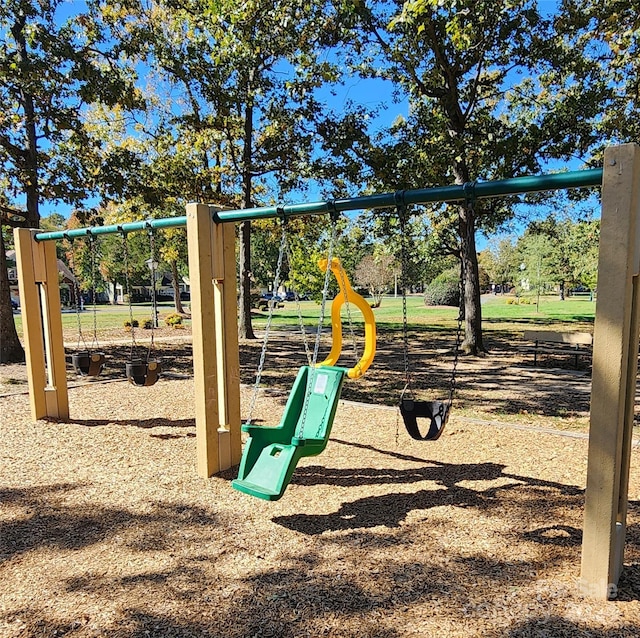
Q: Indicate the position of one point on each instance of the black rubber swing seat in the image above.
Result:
(436, 412)
(143, 373)
(87, 364)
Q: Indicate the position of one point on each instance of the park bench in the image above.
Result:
(558, 343)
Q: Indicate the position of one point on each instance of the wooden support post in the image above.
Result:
(42, 325)
(615, 357)
(216, 365)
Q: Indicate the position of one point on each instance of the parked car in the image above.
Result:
(291, 296)
(263, 302)
(14, 304)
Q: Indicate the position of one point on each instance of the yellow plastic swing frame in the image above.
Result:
(348, 294)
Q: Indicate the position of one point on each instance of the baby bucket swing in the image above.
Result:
(424, 420)
(139, 371)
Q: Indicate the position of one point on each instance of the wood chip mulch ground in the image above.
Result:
(106, 530)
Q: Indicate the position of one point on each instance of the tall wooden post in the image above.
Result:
(216, 366)
(42, 325)
(615, 357)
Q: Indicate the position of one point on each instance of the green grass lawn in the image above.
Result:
(107, 317)
(496, 312)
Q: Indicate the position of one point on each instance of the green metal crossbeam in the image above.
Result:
(460, 192)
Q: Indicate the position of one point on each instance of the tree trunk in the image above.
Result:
(30, 181)
(177, 302)
(472, 343)
(11, 350)
(10, 347)
(245, 329)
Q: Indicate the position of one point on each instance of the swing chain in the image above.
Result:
(325, 292)
(76, 294)
(354, 343)
(404, 267)
(456, 354)
(127, 285)
(154, 304)
(93, 248)
(267, 329)
(456, 357)
(303, 331)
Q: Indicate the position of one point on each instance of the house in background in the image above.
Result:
(164, 290)
(67, 280)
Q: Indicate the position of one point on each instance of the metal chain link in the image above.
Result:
(405, 326)
(325, 291)
(93, 248)
(303, 331)
(154, 304)
(128, 293)
(456, 355)
(404, 267)
(354, 343)
(81, 339)
(76, 294)
(267, 329)
(312, 372)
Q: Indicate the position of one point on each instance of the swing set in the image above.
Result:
(211, 243)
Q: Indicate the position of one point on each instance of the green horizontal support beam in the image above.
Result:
(460, 192)
(129, 227)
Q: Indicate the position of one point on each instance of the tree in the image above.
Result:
(501, 261)
(537, 262)
(247, 74)
(563, 252)
(376, 274)
(49, 72)
(10, 347)
(604, 38)
(584, 249)
(471, 72)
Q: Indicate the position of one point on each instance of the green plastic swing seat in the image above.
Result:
(272, 453)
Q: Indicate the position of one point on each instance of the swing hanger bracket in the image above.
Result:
(469, 190)
(333, 211)
(399, 199)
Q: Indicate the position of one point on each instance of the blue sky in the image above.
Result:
(373, 94)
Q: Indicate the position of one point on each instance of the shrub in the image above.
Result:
(148, 324)
(444, 290)
(128, 324)
(174, 320)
